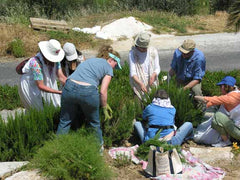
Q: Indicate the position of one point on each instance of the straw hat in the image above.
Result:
(142, 40)
(51, 50)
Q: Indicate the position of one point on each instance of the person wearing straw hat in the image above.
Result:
(39, 76)
(144, 65)
(188, 64)
(80, 97)
(227, 119)
(72, 58)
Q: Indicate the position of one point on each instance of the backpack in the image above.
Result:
(22, 64)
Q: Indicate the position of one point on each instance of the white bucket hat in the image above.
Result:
(70, 51)
(51, 50)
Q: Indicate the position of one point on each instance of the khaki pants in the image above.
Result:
(225, 126)
(196, 91)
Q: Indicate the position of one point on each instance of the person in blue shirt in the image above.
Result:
(80, 95)
(160, 115)
(188, 64)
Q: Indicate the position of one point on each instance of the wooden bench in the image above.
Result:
(49, 25)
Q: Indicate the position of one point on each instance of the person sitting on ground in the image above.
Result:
(188, 64)
(160, 116)
(227, 120)
(72, 58)
(39, 76)
(80, 95)
(144, 65)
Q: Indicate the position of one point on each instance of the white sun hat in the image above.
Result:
(70, 51)
(51, 50)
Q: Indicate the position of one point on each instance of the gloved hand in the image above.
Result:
(107, 112)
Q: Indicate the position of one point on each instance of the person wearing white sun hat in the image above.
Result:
(72, 58)
(39, 76)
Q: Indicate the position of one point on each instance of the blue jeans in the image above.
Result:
(183, 133)
(79, 101)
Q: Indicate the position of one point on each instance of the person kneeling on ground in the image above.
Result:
(227, 120)
(160, 116)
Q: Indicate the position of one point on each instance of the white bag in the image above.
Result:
(160, 162)
(205, 134)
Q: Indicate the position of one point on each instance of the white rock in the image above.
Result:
(92, 30)
(122, 28)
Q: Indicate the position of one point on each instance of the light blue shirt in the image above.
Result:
(191, 69)
(92, 71)
(157, 115)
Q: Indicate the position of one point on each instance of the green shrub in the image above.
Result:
(16, 48)
(72, 156)
(22, 136)
(125, 108)
(142, 151)
(9, 98)
(212, 78)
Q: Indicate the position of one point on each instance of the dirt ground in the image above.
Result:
(133, 171)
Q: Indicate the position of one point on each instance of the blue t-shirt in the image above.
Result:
(92, 71)
(161, 116)
(191, 69)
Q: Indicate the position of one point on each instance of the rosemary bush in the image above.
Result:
(22, 136)
(71, 156)
(9, 98)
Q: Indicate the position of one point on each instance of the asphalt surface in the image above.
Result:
(222, 52)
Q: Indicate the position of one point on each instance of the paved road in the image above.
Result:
(222, 52)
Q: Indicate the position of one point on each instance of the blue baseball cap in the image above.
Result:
(228, 80)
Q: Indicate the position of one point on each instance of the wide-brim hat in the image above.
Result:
(228, 80)
(70, 51)
(51, 50)
(142, 39)
(187, 46)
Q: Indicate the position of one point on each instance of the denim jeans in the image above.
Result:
(183, 133)
(78, 100)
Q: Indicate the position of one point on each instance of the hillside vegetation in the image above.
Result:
(180, 17)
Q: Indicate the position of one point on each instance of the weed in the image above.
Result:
(16, 48)
(122, 160)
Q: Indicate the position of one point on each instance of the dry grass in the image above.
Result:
(203, 24)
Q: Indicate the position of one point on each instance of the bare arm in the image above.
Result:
(62, 78)
(104, 88)
(45, 88)
(191, 84)
(143, 87)
(152, 78)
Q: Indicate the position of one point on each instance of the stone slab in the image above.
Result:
(25, 175)
(212, 154)
(7, 168)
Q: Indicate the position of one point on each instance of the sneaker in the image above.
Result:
(222, 143)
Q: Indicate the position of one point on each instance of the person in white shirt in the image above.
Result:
(144, 65)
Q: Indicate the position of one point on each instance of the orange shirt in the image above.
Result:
(230, 100)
